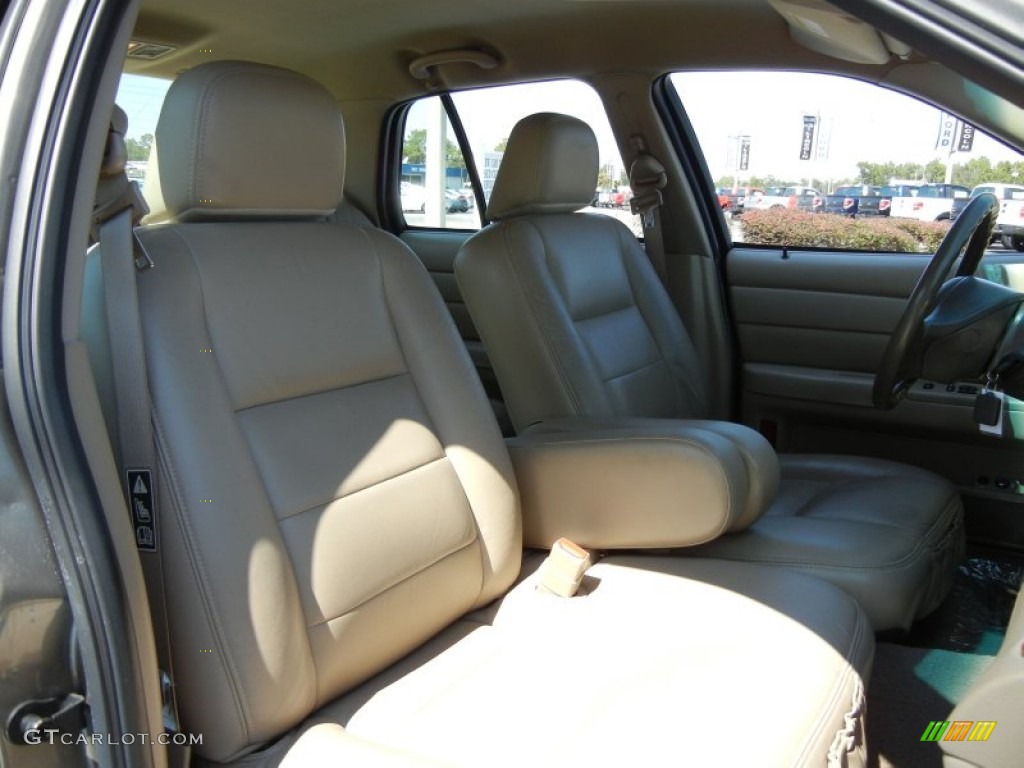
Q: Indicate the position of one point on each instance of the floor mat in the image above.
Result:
(973, 618)
(910, 687)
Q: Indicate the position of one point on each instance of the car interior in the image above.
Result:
(510, 480)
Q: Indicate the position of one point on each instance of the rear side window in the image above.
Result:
(435, 188)
(141, 98)
(487, 116)
(822, 138)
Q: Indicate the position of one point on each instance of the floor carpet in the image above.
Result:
(921, 678)
(973, 618)
(909, 687)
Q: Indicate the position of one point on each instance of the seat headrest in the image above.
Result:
(550, 166)
(241, 140)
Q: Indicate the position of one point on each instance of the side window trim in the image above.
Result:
(467, 154)
(392, 148)
(691, 157)
(390, 164)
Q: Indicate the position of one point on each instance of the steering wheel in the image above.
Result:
(970, 234)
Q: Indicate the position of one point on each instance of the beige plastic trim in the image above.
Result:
(426, 67)
(822, 28)
(800, 383)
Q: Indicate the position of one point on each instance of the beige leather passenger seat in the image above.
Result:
(581, 333)
(341, 527)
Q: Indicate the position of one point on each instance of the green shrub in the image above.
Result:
(780, 227)
(928, 233)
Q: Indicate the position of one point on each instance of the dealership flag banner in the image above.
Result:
(744, 153)
(954, 134)
(947, 132)
(807, 141)
(965, 138)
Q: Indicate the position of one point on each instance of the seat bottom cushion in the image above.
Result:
(888, 533)
(688, 661)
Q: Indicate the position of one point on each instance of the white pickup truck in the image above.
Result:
(929, 202)
(1009, 227)
(793, 198)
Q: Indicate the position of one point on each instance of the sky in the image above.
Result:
(140, 97)
(865, 122)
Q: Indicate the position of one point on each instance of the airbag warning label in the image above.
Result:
(140, 497)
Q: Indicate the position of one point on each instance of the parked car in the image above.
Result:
(414, 197)
(889, 191)
(852, 201)
(792, 198)
(738, 197)
(929, 202)
(455, 201)
(1009, 229)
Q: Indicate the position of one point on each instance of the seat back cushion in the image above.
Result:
(334, 489)
(575, 321)
(330, 500)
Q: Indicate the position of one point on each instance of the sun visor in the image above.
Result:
(825, 29)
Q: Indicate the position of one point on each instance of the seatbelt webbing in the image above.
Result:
(135, 431)
(647, 178)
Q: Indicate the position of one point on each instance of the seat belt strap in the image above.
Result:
(119, 207)
(647, 178)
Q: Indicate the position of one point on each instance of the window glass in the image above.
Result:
(435, 187)
(489, 114)
(141, 98)
(789, 147)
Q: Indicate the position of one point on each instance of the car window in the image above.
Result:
(488, 115)
(825, 138)
(435, 189)
(141, 98)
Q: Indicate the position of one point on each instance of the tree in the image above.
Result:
(138, 149)
(502, 145)
(604, 177)
(979, 170)
(935, 171)
(880, 174)
(414, 150)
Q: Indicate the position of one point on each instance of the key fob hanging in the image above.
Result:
(988, 412)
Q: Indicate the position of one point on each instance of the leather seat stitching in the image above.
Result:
(357, 491)
(235, 677)
(399, 580)
(477, 537)
(327, 391)
(548, 345)
(839, 685)
(206, 597)
(643, 367)
(682, 382)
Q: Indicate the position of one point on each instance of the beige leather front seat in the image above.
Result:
(577, 325)
(341, 529)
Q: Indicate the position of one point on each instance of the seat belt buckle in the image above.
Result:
(179, 752)
(562, 571)
(143, 260)
(169, 711)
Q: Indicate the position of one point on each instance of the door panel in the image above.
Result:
(36, 646)
(437, 249)
(817, 310)
(811, 328)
